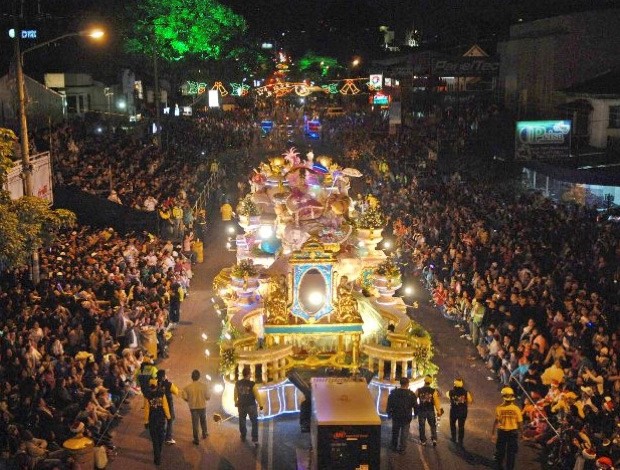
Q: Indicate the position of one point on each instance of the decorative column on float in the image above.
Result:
(244, 282)
(387, 280)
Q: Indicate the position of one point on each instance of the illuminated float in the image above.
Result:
(311, 290)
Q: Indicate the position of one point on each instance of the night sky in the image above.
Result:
(340, 28)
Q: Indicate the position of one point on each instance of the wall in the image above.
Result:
(599, 122)
(545, 56)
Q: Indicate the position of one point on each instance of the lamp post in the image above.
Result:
(23, 121)
(21, 93)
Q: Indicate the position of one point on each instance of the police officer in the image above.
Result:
(428, 408)
(246, 398)
(460, 399)
(400, 404)
(169, 390)
(508, 420)
(145, 373)
(156, 412)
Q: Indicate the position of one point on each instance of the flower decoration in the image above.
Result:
(387, 268)
(228, 360)
(292, 157)
(244, 268)
(372, 218)
(258, 177)
(247, 207)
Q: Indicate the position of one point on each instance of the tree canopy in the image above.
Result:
(318, 66)
(28, 222)
(176, 29)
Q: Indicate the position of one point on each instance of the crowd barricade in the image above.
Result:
(96, 211)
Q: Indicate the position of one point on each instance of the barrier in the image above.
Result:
(148, 341)
(82, 449)
(198, 249)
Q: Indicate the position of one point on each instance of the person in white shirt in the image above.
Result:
(150, 203)
(114, 197)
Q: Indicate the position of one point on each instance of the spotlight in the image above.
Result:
(408, 290)
(208, 377)
(218, 388)
(207, 352)
(315, 298)
(204, 336)
(265, 231)
(231, 229)
(387, 244)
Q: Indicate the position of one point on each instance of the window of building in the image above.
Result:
(614, 117)
(72, 104)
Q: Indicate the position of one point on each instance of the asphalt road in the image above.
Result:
(282, 444)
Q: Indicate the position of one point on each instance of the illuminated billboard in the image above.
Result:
(380, 100)
(542, 140)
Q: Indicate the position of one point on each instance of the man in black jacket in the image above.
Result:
(400, 409)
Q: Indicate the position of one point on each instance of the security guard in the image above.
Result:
(246, 399)
(145, 373)
(156, 412)
(460, 399)
(169, 390)
(508, 420)
(400, 404)
(427, 409)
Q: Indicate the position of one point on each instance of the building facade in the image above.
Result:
(545, 56)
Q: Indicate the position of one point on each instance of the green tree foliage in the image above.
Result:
(318, 65)
(176, 29)
(26, 223)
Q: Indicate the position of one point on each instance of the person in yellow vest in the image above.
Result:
(227, 211)
(156, 414)
(177, 221)
(508, 421)
(165, 214)
(460, 399)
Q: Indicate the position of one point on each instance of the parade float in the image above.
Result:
(310, 289)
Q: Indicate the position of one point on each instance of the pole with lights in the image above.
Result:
(23, 119)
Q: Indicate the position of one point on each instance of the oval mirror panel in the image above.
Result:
(312, 291)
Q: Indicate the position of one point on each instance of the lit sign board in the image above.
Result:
(380, 100)
(542, 140)
(214, 101)
(24, 33)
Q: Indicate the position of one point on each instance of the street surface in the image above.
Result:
(281, 442)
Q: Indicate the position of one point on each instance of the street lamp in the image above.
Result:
(21, 93)
(23, 122)
(93, 34)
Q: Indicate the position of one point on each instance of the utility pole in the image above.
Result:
(23, 121)
(157, 93)
(23, 130)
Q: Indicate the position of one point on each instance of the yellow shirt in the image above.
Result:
(226, 210)
(508, 417)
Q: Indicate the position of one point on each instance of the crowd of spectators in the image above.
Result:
(139, 174)
(533, 284)
(70, 346)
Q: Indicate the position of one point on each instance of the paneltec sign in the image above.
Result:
(465, 67)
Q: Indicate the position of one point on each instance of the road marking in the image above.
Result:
(270, 446)
(259, 453)
(422, 458)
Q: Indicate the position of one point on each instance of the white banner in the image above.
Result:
(41, 178)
